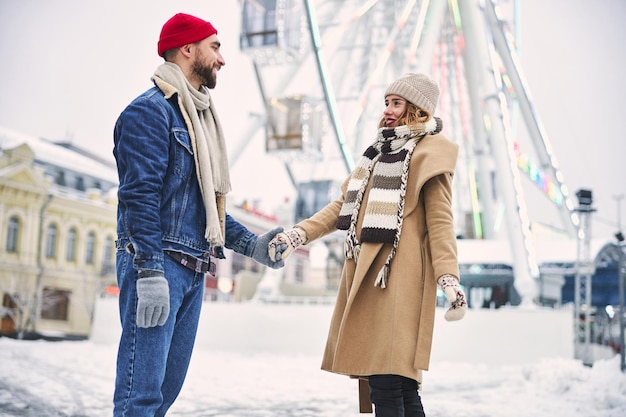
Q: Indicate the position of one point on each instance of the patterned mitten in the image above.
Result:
(285, 243)
(455, 295)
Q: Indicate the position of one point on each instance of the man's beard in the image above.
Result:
(204, 73)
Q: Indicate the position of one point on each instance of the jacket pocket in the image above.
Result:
(182, 153)
(183, 139)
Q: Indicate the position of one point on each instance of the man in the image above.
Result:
(173, 175)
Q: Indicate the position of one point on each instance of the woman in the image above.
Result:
(396, 209)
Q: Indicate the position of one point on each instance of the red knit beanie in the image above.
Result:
(183, 29)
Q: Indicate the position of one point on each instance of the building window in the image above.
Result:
(91, 247)
(51, 241)
(70, 254)
(13, 234)
(55, 304)
(108, 249)
(108, 264)
(80, 183)
(60, 178)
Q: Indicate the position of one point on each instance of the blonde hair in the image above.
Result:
(411, 116)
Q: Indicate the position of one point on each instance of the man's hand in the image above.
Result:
(261, 254)
(153, 301)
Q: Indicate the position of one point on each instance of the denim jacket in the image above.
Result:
(160, 205)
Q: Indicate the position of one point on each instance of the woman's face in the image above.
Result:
(395, 106)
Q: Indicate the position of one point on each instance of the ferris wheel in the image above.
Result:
(322, 67)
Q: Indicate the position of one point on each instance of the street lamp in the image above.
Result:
(585, 198)
(620, 276)
(584, 270)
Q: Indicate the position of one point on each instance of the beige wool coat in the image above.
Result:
(389, 331)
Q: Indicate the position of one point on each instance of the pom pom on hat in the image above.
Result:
(183, 29)
(418, 89)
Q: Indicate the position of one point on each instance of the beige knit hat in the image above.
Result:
(418, 89)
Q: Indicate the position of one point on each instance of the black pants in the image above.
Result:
(395, 396)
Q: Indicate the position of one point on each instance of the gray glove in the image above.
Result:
(153, 301)
(260, 252)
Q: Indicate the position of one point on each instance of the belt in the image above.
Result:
(193, 263)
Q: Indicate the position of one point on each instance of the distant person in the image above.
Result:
(396, 207)
(173, 178)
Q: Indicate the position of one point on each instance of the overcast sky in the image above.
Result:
(70, 67)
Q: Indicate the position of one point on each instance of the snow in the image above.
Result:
(258, 360)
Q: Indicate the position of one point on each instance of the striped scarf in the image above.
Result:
(387, 162)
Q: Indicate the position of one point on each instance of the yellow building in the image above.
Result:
(57, 233)
(58, 209)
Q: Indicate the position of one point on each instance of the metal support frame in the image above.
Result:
(499, 135)
(542, 144)
(329, 94)
(373, 43)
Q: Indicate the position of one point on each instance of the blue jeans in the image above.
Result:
(395, 396)
(152, 362)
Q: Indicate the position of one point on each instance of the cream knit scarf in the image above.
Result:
(387, 162)
(208, 144)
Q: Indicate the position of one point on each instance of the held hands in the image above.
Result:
(455, 295)
(261, 254)
(153, 301)
(285, 243)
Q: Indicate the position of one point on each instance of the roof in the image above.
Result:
(54, 154)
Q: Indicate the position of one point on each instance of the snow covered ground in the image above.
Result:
(260, 360)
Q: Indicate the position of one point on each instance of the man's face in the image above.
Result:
(207, 61)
